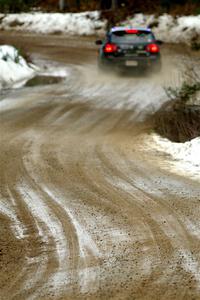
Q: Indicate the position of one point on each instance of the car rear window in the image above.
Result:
(137, 36)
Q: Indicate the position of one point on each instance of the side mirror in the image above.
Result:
(159, 42)
(99, 42)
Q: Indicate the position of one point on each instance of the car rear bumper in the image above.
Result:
(131, 62)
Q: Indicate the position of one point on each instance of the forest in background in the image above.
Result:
(180, 7)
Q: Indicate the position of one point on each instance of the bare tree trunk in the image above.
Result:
(78, 4)
(61, 4)
(114, 4)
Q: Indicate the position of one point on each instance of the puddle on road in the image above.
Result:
(43, 80)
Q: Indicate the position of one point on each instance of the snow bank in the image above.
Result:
(14, 69)
(168, 28)
(86, 23)
(186, 154)
(51, 68)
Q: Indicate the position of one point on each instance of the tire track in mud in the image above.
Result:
(103, 189)
(32, 240)
(72, 235)
(94, 186)
(92, 157)
(168, 231)
(77, 251)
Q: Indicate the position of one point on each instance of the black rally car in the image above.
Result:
(127, 47)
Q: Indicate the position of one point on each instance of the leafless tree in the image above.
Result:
(69, 4)
(61, 4)
(114, 4)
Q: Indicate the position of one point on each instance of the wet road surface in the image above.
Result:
(87, 209)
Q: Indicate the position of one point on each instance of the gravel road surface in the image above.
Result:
(87, 209)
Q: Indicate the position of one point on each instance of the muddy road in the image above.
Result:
(87, 209)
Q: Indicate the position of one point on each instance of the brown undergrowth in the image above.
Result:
(179, 119)
(178, 124)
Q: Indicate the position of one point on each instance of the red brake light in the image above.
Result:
(153, 48)
(132, 31)
(110, 48)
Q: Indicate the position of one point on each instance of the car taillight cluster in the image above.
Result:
(110, 48)
(132, 31)
(153, 48)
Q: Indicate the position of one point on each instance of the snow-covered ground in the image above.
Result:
(87, 23)
(185, 156)
(168, 28)
(15, 71)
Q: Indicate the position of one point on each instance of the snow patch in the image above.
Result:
(51, 68)
(166, 27)
(17, 227)
(44, 215)
(86, 23)
(185, 154)
(15, 71)
(85, 240)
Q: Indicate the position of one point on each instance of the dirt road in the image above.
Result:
(87, 210)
